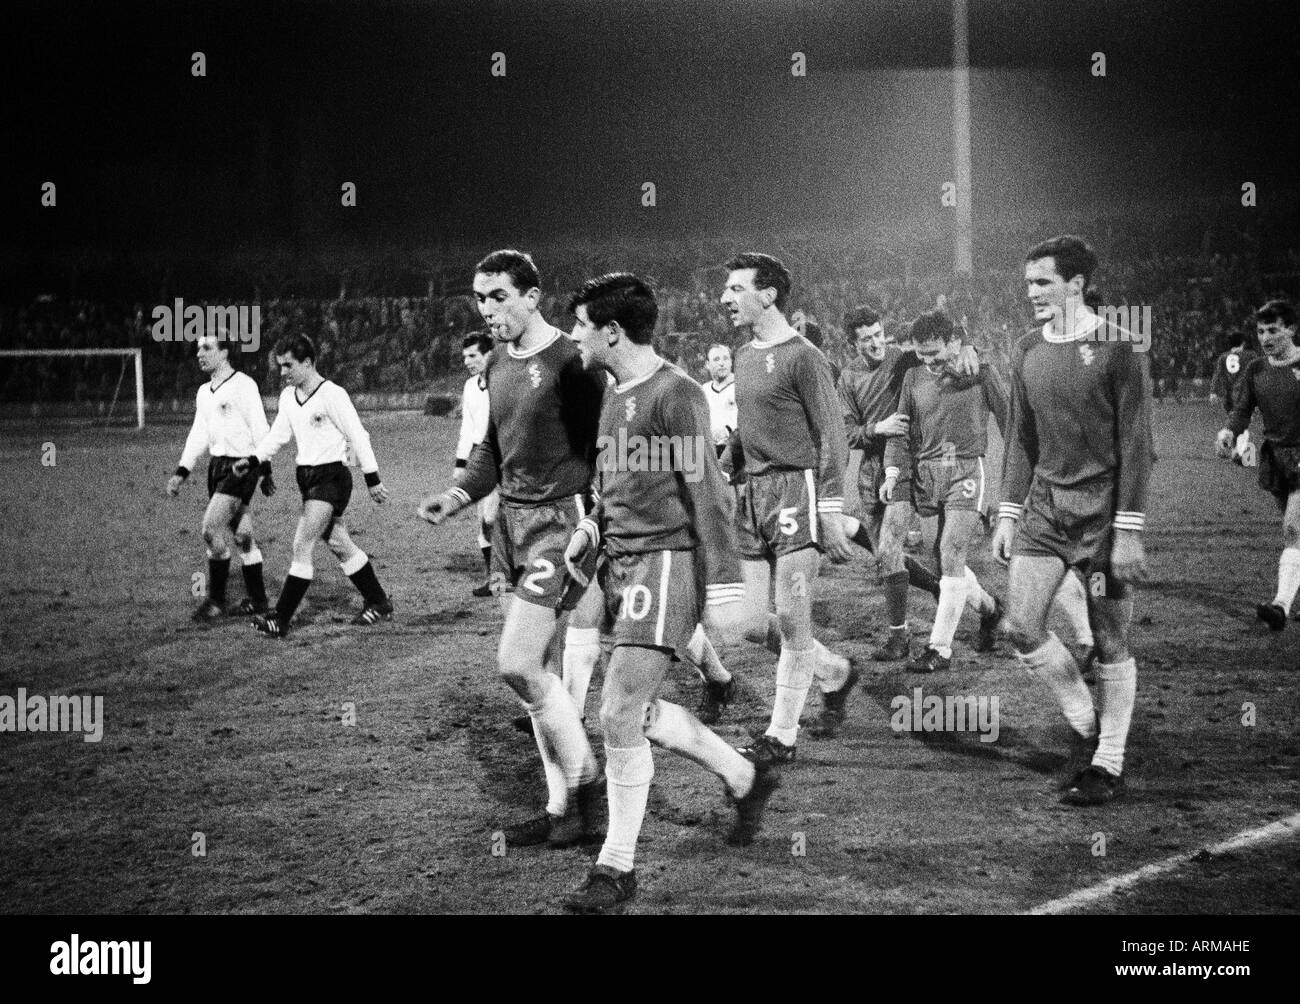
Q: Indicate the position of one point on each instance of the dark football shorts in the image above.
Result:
(528, 545)
(651, 600)
(1279, 470)
(223, 479)
(330, 483)
(871, 475)
(1073, 524)
(776, 514)
(953, 484)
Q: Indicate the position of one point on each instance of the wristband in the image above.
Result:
(182, 472)
(372, 479)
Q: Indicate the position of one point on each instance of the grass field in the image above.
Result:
(215, 731)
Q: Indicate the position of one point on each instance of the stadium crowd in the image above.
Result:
(373, 341)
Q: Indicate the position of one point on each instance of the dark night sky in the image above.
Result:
(599, 97)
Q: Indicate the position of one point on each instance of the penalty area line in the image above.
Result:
(1280, 830)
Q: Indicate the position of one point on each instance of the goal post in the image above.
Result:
(136, 354)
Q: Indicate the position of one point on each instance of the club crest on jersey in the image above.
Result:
(535, 374)
(631, 408)
(318, 419)
(771, 362)
(1086, 353)
(224, 407)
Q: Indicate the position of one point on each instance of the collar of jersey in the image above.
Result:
(555, 333)
(731, 378)
(619, 388)
(216, 387)
(1078, 335)
(776, 341)
(309, 396)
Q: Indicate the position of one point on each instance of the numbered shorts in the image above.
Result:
(223, 479)
(1073, 524)
(776, 514)
(950, 484)
(652, 600)
(1279, 470)
(528, 544)
(871, 475)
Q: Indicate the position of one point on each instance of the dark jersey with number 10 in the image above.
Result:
(658, 479)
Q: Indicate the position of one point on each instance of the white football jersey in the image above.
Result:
(323, 424)
(229, 420)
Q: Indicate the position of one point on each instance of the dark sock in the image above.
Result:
(367, 582)
(487, 556)
(218, 573)
(921, 577)
(863, 539)
(253, 583)
(291, 595)
(896, 598)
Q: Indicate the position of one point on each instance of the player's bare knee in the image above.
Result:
(244, 541)
(1290, 535)
(1024, 637)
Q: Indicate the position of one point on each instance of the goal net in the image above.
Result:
(102, 386)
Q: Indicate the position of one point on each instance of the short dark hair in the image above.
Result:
(1233, 339)
(517, 264)
(813, 332)
(1276, 310)
(1070, 254)
(860, 316)
(622, 297)
(479, 339)
(300, 347)
(933, 325)
(769, 273)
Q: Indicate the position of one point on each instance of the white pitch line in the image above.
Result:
(1280, 830)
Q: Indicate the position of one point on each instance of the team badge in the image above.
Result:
(224, 407)
(631, 408)
(771, 362)
(535, 374)
(1086, 353)
(318, 419)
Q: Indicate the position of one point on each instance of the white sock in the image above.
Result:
(354, 564)
(557, 792)
(1117, 689)
(252, 556)
(674, 728)
(1052, 663)
(562, 741)
(701, 654)
(581, 653)
(794, 675)
(627, 774)
(302, 570)
(1288, 577)
(1072, 601)
(976, 597)
(831, 670)
(952, 598)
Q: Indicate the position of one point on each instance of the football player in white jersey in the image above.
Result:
(319, 414)
(228, 422)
